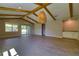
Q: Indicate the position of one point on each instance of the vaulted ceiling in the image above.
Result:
(29, 11)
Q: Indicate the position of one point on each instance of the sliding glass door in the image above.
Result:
(25, 29)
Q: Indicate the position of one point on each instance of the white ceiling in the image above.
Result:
(11, 12)
(76, 10)
(10, 16)
(29, 19)
(24, 6)
(59, 10)
(33, 17)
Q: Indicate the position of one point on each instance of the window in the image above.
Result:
(25, 29)
(11, 27)
(15, 28)
(8, 27)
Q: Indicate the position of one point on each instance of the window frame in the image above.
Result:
(13, 26)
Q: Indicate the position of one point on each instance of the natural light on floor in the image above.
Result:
(11, 51)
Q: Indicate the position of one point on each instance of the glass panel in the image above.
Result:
(8, 27)
(15, 27)
(23, 29)
(11, 27)
(28, 30)
(23, 26)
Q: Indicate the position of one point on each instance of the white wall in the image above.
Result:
(37, 29)
(73, 35)
(53, 27)
(4, 34)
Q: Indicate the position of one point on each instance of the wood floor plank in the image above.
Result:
(41, 46)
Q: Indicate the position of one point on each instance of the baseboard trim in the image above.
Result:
(57, 37)
(48, 36)
(70, 38)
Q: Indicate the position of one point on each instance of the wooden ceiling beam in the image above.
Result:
(10, 18)
(27, 21)
(37, 8)
(32, 19)
(10, 15)
(49, 13)
(14, 9)
(71, 9)
(17, 18)
(35, 14)
(40, 4)
(40, 7)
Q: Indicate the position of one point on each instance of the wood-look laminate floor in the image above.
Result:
(41, 46)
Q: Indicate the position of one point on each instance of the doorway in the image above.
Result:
(25, 29)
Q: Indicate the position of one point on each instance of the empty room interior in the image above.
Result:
(39, 29)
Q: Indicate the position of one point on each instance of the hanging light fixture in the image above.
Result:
(42, 17)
